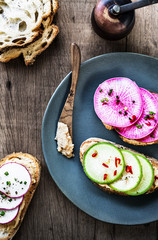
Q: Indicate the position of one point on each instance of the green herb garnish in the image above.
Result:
(139, 126)
(109, 93)
(10, 200)
(6, 173)
(100, 90)
(25, 182)
(152, 136)
(117, 97)
(118, 130)
(151, 113)
(146, 117)
(8, 183)
(125, 113)
(102, 100)
(2, 213)
(133, 101)
(21, 182)
(120, 112)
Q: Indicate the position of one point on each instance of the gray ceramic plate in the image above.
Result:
(67, 173)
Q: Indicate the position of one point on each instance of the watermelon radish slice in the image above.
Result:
(15, 180)
(132, 174)
(7, 216)
(9, 203)
(116, 100)
(154, 135)
(148, 120)
(103, 163)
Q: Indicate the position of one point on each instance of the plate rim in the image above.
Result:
(42, 133)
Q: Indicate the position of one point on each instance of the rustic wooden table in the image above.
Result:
(25, 92)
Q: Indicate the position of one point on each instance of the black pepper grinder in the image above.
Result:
(114, 19)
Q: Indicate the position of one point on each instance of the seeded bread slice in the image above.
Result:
(91, 141)
(7, 231)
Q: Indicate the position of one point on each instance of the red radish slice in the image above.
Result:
(148, 120)
(154, 135)
(7, 216)
(15, 180)
(9, 203)
(116, 100)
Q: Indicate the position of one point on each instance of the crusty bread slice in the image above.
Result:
(40, 45)
(47, 33)
(91, 141)
(7, 231)
(32, 50)
(20, 21)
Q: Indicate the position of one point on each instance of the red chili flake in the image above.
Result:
(151, 117)
(105, 176)
(117, 101)
(115, 172)
(94, 154)
(148, 123)
(104, 103)
(117, 161)
(133, 118)
(129, 169)
(105, 165)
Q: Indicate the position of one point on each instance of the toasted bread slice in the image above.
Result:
(8, 230)
(91, 141)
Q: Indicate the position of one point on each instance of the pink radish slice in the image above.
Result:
(117, 99)
(9, 203)
(7, 216)
(154, 135)
(15, 180)
(143, 127)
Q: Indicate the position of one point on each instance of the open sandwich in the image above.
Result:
(128, 109)
(19, 177)
(117, 169)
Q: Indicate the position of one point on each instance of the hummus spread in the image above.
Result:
(64, 140)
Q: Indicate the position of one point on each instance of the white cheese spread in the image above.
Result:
(64, 140)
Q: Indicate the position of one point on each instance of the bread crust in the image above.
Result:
(33, 166)
(91, 141)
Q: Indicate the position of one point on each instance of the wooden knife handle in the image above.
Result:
(67, 112)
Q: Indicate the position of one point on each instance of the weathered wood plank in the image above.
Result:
(25, 92)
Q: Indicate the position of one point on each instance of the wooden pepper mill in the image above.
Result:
(114, 19)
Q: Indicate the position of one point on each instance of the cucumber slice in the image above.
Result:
(100, 161)
(147, 178)
(132, 174)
